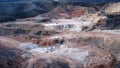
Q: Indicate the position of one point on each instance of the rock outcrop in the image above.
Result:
(62, 35)
(15, 55)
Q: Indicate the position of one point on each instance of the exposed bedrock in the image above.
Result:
(68, 35)
(107, 41)
(87, 56)
(25, 9)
